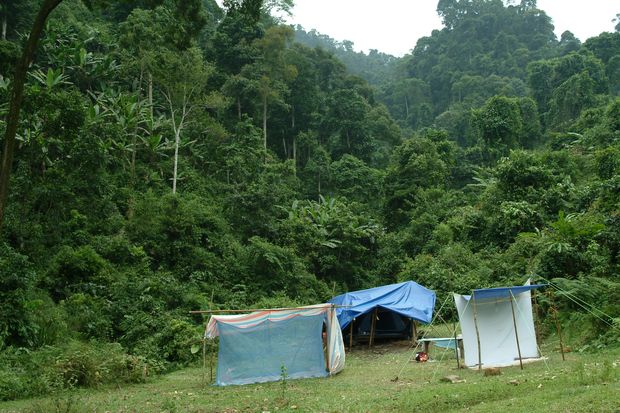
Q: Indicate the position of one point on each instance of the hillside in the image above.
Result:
(174, 155)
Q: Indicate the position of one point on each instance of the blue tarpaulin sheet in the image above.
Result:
(501, 292)
(408, 298)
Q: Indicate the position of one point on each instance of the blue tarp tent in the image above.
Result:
(409, 299)
(256, 347)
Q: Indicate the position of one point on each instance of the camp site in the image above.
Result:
(309, 206)
(294, 359)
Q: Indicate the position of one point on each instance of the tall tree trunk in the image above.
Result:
(177, 140)
(265, 121)
(150, 94)
(177, 127)
(294, 155)
(406, 106)
(294, 140)
(4, 27)
(17, 95)
(293, 118)
(135, 134)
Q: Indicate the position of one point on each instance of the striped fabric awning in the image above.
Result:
(253, 319)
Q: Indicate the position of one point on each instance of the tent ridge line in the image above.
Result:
(264, 309)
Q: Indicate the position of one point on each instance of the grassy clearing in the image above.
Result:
(584, 383)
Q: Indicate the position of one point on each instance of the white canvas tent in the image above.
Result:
(497, 326)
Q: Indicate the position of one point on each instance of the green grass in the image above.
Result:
(583, 383)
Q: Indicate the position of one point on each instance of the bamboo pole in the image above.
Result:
(204, 361)
(514, 321)
(554, 310)
(373, 325)
(456, 348)
(328, 366)
(473, 298)
(211, 363)
(351, 335)
(210, 359)
(250, 310)
(536, 317)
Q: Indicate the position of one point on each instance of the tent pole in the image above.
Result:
(554, 310)
(514, 321)
(204, 361)
(536, 317)
(204, 354)
(211, 363)
(414, 332)
(210, 357)
(456, 348)
(210, 354)
(373, 326)
(473, 298)
(351, 335)
(327, 347)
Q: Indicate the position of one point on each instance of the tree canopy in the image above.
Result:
(178, 155)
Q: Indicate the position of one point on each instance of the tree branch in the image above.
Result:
(17, 96)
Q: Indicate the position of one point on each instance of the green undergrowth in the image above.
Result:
(53, 369)
(385, 378)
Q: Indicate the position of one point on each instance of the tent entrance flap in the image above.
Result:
(387, 325)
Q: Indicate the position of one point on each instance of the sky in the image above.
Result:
(393, 26)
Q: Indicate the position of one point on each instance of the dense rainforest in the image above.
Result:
(174, 155)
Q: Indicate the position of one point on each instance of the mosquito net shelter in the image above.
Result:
(407, 299)
(264, 345)
(497, 326)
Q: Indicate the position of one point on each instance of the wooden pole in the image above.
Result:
(373, 325)
(414, 332)
(250, 310)
(536, 317)
(554, 310)
(473, 298)
(456, 347)
(351, 335)
(514, 322)
(210, 354)
(328, 367)
(204, 361)
(211, 363)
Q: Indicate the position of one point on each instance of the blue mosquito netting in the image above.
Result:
(272, 344)
(259, 353)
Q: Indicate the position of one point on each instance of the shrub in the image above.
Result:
(79, 269)
(25, 373)
(163, 338)
(89, 316)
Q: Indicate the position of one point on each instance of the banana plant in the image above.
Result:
(50, 79)
(133, 116)
(4, 83)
